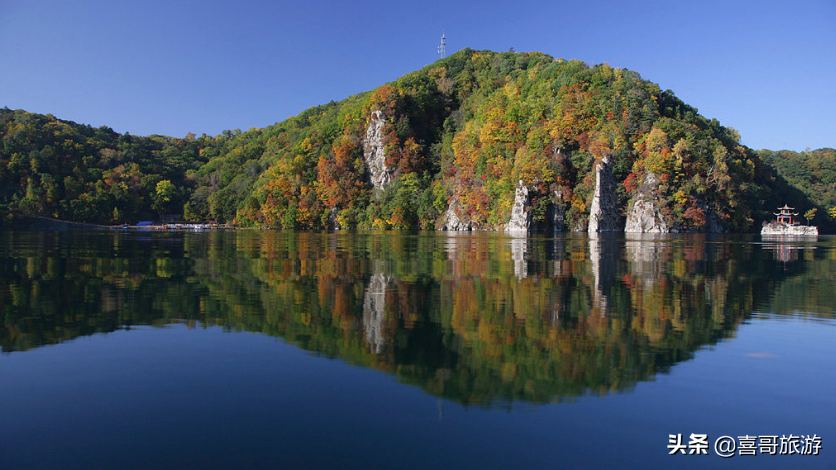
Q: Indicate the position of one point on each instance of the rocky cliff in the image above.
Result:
(520, 221)
(374, 151)
(557, 212)
(712, 221)
(645, 216)
(603, 213)
(333, 219)
(453, 221)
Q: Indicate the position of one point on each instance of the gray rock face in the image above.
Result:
(713, 225)
(603, 213)
(374, 152)
(452, 221)
(712, 221)
(776, 228)
(645, 216)
(558, 212)
(520, 221)
(333, 221)
(579, 226)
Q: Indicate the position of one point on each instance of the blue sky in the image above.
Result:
(170, 67)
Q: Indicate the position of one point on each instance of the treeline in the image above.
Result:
(460, 132)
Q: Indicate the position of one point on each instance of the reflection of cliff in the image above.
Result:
(374, 303)
(472, 318)
(603, 253)
(519, 247)
(648, 255)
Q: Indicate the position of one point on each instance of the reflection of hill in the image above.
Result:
(808, 282)
(474, 318)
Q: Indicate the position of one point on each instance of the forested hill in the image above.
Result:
(812, 174)
(451, 140)
(61, 169)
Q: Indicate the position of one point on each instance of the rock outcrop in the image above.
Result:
(374, 151)
(557, 212)
(778, 228)
(645, 216)
(712, 221)
(603, 213)
(713, 225)
(333, 219)
(520, 221)
(451, 220)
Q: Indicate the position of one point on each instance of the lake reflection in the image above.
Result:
(478, 318)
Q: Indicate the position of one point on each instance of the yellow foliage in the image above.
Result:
(657, 140)
(532, 73)
(680, 197)
(344, 219)
(529, 168)
(438, 73)
(578, 203)
(306, 146)
(659, 159)
(511, 90)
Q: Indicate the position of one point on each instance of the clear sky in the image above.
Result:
(170, 67)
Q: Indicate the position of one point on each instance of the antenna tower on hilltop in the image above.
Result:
(441, 47)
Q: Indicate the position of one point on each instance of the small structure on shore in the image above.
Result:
(786, 224)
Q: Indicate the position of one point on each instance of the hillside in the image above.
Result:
(444, 146)
(56, 168)
(812, 174)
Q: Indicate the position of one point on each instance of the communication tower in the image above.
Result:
(441, 47)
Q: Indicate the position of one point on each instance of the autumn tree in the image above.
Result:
(810, 215)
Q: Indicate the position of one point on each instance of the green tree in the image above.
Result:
(164, 193)
(810, 215)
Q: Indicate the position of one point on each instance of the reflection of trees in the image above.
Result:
(810, 275)
(457, 316)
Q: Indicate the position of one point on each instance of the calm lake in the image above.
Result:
(277, 349)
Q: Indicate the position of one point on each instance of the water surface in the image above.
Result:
(272, 349)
